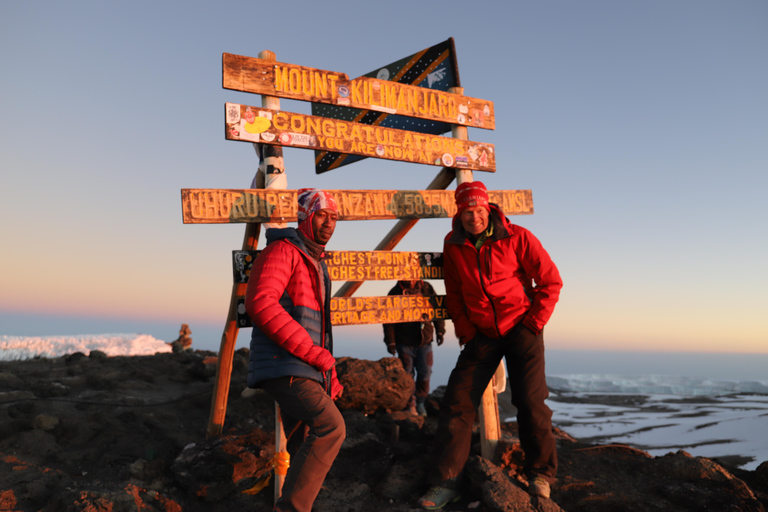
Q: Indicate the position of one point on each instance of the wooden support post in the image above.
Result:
(227, 347)
(282, 459)
(231, 329)
(490, 427)
(490, 424)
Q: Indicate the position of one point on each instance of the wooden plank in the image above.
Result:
(223, 206)
(361, 265)
(248, 74)
(385, 310)
(254, 124)
(390, 309)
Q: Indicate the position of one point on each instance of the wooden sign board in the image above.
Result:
(223, 206)
(255, 124)
(272, 78)
(391, 309)
(361, 265)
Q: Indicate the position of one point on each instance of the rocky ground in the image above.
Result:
(113, 434)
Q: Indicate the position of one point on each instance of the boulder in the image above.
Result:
(371, 386)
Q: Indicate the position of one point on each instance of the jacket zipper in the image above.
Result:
(485, 292)
(325, 305)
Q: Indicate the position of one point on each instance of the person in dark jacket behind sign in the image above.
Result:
(288, 301)
(501, 289)
(412, 342)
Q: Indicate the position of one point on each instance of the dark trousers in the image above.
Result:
(417, 362)
(314, 430)
(524, 353)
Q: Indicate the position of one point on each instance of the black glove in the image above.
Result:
(391, 349)
(439, 339)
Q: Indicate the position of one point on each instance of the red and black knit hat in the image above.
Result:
(470, 195)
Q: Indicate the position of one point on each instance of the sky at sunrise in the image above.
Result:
(641, 128)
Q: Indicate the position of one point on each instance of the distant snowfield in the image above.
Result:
(17, 348)
(713, 426)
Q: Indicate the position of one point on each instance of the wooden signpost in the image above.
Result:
(457, 157)
(260, 76)
(222, 206)
(361, 265)
(254, 124)
(374, 310)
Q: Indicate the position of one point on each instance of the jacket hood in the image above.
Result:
(289, 234)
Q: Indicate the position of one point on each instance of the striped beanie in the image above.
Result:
(311, 199)
(470, 195)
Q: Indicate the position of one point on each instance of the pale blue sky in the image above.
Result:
(641, 128)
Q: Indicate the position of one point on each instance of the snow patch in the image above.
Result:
(18, 348)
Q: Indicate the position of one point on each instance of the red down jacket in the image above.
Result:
(510, 279)
(291, 327)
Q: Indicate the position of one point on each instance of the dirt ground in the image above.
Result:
(95, 433)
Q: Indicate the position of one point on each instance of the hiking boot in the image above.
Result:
(538, 487)
(437, 497)
(421, 410)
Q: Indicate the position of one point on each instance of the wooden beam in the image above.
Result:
(223, 206)
(248, 74)
(253, 124)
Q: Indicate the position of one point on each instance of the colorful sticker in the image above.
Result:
(259, 125)
(461, 119)
(233, 113)
(463, 109)
(301, 139)
(383, 74)
(472, 151)
(380, 150)
(343, 91)
(462, 161)
(484, 159)
(436, 76)
(447, 160)
(342, 101)
(268, 137)
(477, 118)
(294, 139)
(487, 110)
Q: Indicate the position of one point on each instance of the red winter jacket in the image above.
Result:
(509, 280)
(291, 328)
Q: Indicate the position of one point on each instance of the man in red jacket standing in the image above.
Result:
(288, 300)
(501, 288)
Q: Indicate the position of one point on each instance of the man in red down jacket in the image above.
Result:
(288, 301)
(501, 288)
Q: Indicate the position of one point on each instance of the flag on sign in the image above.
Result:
(433, 68)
